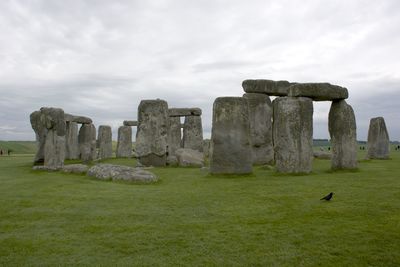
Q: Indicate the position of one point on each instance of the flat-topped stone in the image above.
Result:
(269, 87)
(318, 91)
(121, 173)
(130, 123)
(77, 119)
(180, 112)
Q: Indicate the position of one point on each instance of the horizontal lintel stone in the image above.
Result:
(318, 91)
(77, 119)
(130, 123)
(268, 87)
(181, 112)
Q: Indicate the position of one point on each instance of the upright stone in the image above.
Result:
(71, 141)
(378, 139)
(230, 137)
(105, 142)
(152, 131)
(124, 144)
(93, 143)
(193, 133)
(85, 140)
(343, 132)
(41, 133)
(292, 134)
(174, 138)
(260, 116)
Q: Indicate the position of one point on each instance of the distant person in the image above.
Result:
(9, 152)
(1, 152)
(329, 148)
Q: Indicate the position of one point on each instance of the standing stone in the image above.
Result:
(230, 137)
(85, 140)
(105, 142)
(378, 139)
(206, 147)
(124, 144)
(71, 141)
(40, 132)
(93, 143)
(193, 133)
(174, 138)
(292, 134)
(152, 131)
(343, 132)
(260, 116)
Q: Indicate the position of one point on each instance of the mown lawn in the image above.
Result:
(191, 218)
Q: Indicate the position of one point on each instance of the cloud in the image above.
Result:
(100, 58)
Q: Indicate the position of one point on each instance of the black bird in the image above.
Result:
(328, 197)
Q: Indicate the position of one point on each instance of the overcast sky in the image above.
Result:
(100, 58)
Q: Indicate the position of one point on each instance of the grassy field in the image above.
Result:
(191, 218)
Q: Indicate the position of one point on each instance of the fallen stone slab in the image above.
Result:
(121, 173)
(75, 168)
(180, 112)
(322, 155)
(269, 87)
(130, 123)
(46, 168)
(188, 157)
(77, 119)
(318, 91)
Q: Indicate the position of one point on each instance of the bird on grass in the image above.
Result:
(328, 197)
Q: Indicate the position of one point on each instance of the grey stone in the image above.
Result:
(206, 147)
(319, 91)
(189, 158)
(77, 119)
(180, 112)
(121, 173)
(268, 87)
(152, 131)
(105, 142)
(41, 133)
(75, 168)
(292, 134)
(174, 138)
(46, 168)
(230, 137)
(124, 144)
(71, 141)
(322, 155)
(86, 140)
(54, 150)
(193, 133)
(130, 123)
(260, 117)
(53, 118)
(343, 132)
(378, 145)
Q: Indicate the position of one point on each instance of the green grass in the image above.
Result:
(191, 218)
(19, 147)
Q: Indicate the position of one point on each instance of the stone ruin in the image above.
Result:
(378, 144)
(58, 138)
(280, 132)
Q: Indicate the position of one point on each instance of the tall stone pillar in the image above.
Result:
(292, 134)
(87, 142)
(378, 144)
(41, 133)
(174, 138)
(230, 137)
(343, 132)
(260, 116)
(124, 144)
(105, 142)
(152, 131)
(193, 133)
(71, 141)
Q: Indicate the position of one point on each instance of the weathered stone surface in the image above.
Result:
(174, 138)
(319, 91)
(206, 147)
(130, 123)
(46, 168)
(75, 168)
(269, 87)
(87, 142)
(53, 118)
(292, 134)
(343, 132)
(189, 158)
(193, 133)
(41, 133)
(180, 112)
(71, 141)
(260, 116)
(77, 119)
(121, 173)
(105, 142)
(124, 144)
(152, 131)
(378, 145)
(54, 150)
(230, 137)
(322, 155)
